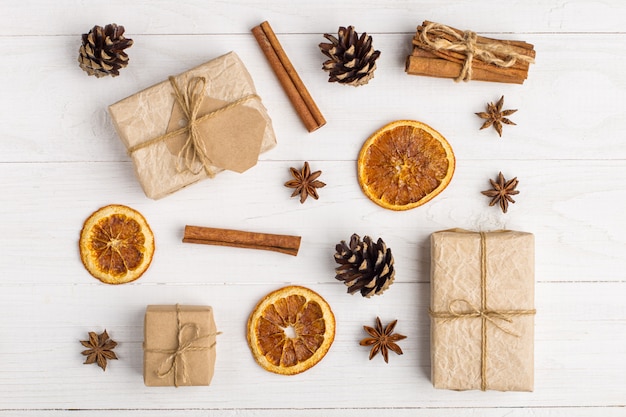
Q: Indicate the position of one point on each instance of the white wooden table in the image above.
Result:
(60, 159)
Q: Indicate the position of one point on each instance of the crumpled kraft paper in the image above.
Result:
(194, 364)
(233, 138)
(457, 346)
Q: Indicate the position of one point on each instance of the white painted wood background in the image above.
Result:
(60, 160)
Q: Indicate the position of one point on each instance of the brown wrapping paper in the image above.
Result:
(231, 137)
(179, 345)
(462, 356)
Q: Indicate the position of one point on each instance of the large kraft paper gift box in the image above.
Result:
(482, 310)
(230, 126)
(179, 345)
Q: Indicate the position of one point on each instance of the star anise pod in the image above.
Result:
(502, 192)
(100, 348)
(382, 340)
(496, 116)
(305, 182)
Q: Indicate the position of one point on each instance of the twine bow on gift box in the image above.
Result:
(185, 343)
(467, 43)
(193, 156)
(495, 317)
(492, 316)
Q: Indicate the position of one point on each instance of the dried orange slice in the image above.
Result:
(404, 165)
(290, 330)
(116, 244)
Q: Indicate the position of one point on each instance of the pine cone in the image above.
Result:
(102, 52)
(364, 266)
(352, 58)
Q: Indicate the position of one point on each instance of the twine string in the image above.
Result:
(495, 317)
(193, 156)
(468, 44)
(193, 150)
(176, 358)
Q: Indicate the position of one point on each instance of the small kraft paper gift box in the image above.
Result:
(179, 345)
(482, 310)
(193, 126)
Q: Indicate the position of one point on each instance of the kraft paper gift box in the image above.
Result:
(230, 126)
(179, 345)
(482, 310)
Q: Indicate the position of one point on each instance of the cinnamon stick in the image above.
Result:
(289, 79)
(440, 68)
(520, 47)
(240, 239)
(520, 67)
(450, 68)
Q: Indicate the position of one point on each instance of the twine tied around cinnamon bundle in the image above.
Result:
(192, 156)
(468, 44)
(176, 357)
(486, 315)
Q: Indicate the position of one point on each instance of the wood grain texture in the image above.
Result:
(60, 160)
(238, 16)
(363, 412)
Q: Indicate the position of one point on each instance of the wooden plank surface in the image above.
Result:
(570, 346)
(60, 159)
(569, 108)
(166, 17)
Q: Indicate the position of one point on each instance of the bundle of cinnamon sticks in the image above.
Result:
(446, 52)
